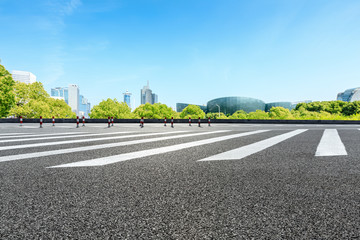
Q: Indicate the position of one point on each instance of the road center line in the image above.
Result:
(330, 144)
(250, 149)
(150, 152)
(83, 140)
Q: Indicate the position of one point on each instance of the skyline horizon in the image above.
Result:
(174, 107)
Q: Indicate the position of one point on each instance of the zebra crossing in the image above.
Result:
(329, 145)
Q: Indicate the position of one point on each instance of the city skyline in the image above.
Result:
(190, 51)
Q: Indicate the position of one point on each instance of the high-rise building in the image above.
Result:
(60, 93)
(24, 77)
(74, 98)
(349, 95)
(78, 103)
(127, 98)
(147, 96)
(84, 106)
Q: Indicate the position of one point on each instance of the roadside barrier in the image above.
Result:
(41, 121)
(199, 122)
(209, 122)
(108, 122)
(21, 121)
(142, 122)
(172, 122)
(77, 121)
(190, 121)
(165, 122)
(53, 121)
(112, 121)
(83, 121)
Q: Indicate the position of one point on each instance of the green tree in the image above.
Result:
(111, 108)
(154, 111)
(192, 111)
(7, 96)
(258, 114)
(216, 115)
(280, 113)
(351, 108)
(59, 109)
(240, 114)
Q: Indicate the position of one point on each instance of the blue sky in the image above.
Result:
(191, 51)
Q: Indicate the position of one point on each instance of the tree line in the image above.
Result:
(32, 101)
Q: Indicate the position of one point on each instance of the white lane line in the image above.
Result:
(150, 152)
(330, 144)
(101, 146)
(250, 149)
(6, 134)
(55, 137)
(34, 135)
(300, 125)
(83, 140)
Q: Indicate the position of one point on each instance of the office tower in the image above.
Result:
(84, 106)
(147, 96)
(74, 98)
(60, 93)
(127, 98)
(24, 77)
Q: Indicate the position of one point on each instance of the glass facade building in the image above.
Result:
(127, 96)
(60, 93)
(229, 105)
(349, 95)
(147, 96)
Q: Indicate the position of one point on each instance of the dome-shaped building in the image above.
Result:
(229, 105)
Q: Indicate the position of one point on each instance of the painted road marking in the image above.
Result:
(5, 134)
(330, 144)
(33, 135)
(248, 150)
(84, 140)
(55, 137)
(101, 146)
(145, 153)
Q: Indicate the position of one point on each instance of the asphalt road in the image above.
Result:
(235, 181)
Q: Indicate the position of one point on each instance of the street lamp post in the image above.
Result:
(219, 109)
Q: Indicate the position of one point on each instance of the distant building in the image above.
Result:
(229, 105)
(349, 95)
(127, 96)
(24, 77)
(60, 93)
(84, 106)
(71, 95)
(74, 98)
(147, 96)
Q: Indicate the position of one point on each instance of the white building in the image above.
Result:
(24, 77)
(74, 98)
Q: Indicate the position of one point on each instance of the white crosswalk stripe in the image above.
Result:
(248, 150)
(73, 135)
(84, 140)
(330, 144)
(33, 135)
(11, 134)
(102, 146)
(145, 153)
